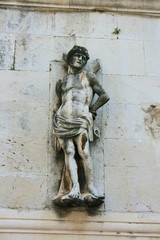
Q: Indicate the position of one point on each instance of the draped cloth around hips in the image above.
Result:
(68, 128)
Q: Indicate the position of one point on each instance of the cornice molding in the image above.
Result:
(145, 7)
(76, 228)
(114, 224)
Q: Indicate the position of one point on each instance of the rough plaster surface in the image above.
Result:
(127, 157)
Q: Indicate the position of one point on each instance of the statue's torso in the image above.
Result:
(77, 95)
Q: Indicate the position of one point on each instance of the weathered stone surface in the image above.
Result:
(54, 236)
(3, 14)
(25, 108)
(152, 119)
(129, 153)
(21, 157)
(76, 24)
(27, 105)
(138, 27)
(151, 53)
(55, 24)
(26, 90)
(30, 22)
(20, 191)
(124, 121)
(129, 6)
(7, 47)
(132, 89)
(120, 56)
(131, 78)
(31, 51)
(132, 189)
(29, 125)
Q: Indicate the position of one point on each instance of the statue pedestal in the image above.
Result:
(87, 200)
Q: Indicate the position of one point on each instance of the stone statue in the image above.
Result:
(73, 116)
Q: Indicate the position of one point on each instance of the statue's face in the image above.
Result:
(78, 60)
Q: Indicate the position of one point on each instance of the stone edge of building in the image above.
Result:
(128, 6)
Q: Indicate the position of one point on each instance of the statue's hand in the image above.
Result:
(94, 114)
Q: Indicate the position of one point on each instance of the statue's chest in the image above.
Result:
(79, 81)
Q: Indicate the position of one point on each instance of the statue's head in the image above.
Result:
(77, 57)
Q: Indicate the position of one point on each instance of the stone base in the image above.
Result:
(91, 201)
(88, 200)
(66, 201)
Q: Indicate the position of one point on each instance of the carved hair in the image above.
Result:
(77, 49)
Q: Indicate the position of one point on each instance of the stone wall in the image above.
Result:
(31, 48)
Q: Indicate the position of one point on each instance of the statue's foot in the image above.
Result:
(68, 201)
(72, 201)
(75, 193)
(75, 196)
(91, 201)
(57, 201)
(97, 194)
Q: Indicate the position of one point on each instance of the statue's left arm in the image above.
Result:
(57, 99)
(98, 89)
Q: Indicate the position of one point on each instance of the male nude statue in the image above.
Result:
(73, 118)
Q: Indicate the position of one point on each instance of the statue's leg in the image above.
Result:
(71, 165)
(82, 142)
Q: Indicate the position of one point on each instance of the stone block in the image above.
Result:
(24, 135)
(141, 90)
(67, 24)
(28, 94)
(62, 45)
(7, 46)
(138, 28)
(132, 189)
(117, 56)
(124, 121)
(129, 153)
(151, 28)
(35, 53)
(131, 27)
(26, 91)
(27, 192)
(152, 58)
(3, 15)
(30, 22)
(20, 157)
(31, 126)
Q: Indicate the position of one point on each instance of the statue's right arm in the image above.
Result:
(58, 99)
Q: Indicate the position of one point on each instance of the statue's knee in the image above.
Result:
(69, 150)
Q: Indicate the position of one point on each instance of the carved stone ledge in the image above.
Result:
(126, 6)
(46, 223)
